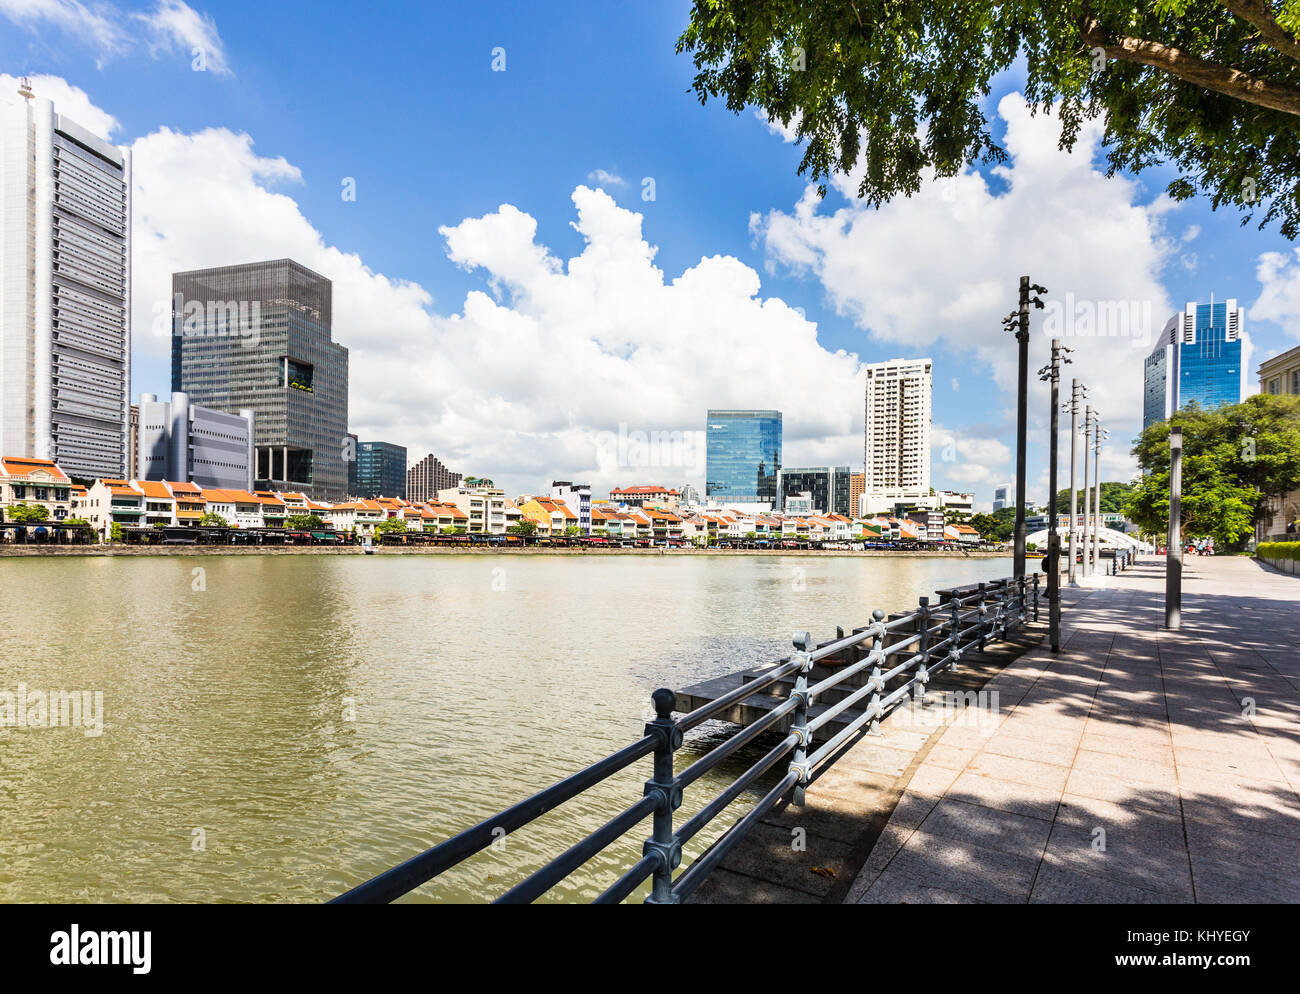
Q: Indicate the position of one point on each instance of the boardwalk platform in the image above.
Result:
(1135, 766)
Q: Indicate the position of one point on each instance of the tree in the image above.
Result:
(115, 533)
(1211, 87)
(1235, 458)
(305, 522)
(390, 526)
(573, 530)
(1113, 498)
(28, 514)
(524, 526)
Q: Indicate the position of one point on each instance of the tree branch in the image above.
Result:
(1191, 69)
(1256, 12)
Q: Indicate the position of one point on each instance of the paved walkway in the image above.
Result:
(1135, 766)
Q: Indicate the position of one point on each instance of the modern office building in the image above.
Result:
(577, 497)
(184, 443)
(742, 456)
(258, 336)
(830, 488)
(1197, 359)
(427, 477)
(65, 271)
(350, 456)
(897, 433)
(133, 440)
(381, 470)
(1004, 496)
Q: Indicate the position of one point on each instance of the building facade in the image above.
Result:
(380, 470)
(829, 487)
(429, 476)
(577, 497)
(897, 428)
(1198, 359)
(259, 336)
(1281, 375)
(65, 269)
(183, 442)
(742, 456)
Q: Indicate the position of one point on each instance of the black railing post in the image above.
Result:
(983, 612)
(799, 723)
(954, 636)
(923, 673)
(665, 789)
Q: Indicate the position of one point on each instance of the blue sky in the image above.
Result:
(402, 98)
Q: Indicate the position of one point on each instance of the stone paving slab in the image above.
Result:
(1134, 766)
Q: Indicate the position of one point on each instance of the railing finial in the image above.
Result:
(803, 641)
(665, 702)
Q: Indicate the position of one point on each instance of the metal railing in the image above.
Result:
(898, 658)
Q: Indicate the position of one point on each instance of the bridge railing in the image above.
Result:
(919, 644)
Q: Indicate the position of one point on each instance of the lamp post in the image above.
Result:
(1084, 566)
(1077, 393)
(1052, 373)
(1174, 553)
(1018, 321)
(1099, 434)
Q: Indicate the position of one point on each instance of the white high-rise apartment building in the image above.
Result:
(65, 291)
(897, 430)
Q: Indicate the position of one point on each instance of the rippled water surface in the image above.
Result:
(476, 680)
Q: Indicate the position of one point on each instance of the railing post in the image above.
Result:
(983, 611)
(923, 672)
(668, 793)
(877, 678)
(954, 635)
(799, 724)
(1036, 575)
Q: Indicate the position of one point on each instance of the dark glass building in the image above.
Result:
(742, 456)
(258, 336)
(381, 470)
(830, 487)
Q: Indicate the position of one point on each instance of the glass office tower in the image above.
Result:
(381, 470)
(1197, 359)
(258, 336)
(829, 487)
(742, 456)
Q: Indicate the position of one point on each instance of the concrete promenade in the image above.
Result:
(1135, 766)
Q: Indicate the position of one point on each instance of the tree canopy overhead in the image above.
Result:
(1211, 87)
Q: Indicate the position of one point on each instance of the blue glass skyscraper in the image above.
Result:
(742, 456)
(1197, 358)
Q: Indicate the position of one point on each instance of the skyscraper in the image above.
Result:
(897, 433)
(381, 470)
(742, 456)
(65, 271)
(1197, 358)
(258, 336)
(427, 477)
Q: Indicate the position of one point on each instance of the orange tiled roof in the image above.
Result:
(23, 466)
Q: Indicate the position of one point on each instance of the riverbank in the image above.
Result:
(39, 551)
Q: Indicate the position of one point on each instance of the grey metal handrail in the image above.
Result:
(965, 619)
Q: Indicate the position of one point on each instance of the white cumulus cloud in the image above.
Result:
(942, 267)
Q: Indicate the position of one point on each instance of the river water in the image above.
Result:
(280, 728)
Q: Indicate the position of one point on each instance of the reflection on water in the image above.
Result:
(226, 769)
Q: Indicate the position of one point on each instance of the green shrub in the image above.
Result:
(1278, 550)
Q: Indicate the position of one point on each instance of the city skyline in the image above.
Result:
(764, 271)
